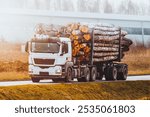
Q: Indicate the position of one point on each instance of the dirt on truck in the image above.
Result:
(78, 50)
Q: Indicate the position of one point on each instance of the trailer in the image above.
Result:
(54, 58)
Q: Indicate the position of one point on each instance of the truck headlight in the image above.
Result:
(58, 71)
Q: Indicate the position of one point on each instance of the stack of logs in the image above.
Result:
(105, 40)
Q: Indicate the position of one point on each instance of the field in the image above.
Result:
(138, 60)
(14, 63)
(83, 91)
(14, 76)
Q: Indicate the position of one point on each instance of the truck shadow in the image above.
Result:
(73, 82)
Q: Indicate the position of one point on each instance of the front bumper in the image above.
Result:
(47, 77)
(46, 73)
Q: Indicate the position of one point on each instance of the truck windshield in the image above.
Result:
(45, 47)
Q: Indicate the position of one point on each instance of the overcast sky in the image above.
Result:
(142, 6)
(10, 25)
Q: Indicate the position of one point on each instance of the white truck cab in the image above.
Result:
(49, 58)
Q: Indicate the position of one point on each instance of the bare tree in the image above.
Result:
(88, 5)
(122, 8)
(31, 4)
(81, 5)
(67, 5)
(57, 4)
(107, 7)
(149, 9)
(132, 8)
(128, 7)
(93, 6)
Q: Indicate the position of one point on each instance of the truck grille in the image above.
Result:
(44, 61)
(44, 73)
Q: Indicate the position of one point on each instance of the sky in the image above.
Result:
(58, 5)
(9, 26)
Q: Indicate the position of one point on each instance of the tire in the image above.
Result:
(123, 75)
(107, 74)
(86, 77)
(100, 76)
(111, 73)
(58, 80)
(69, 75)
(35, 80)
(80, 79)
(93, 74)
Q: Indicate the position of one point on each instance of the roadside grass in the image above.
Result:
(14, 76)
(138, 60)
(13, 63)
(13, 55)
(11, 52)
(16, 66)
(135, 90)
(138, 72)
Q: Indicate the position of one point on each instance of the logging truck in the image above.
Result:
(54, 57)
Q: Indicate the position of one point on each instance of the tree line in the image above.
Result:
(98, 6)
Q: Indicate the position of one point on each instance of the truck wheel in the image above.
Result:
(80, 79)
(86, 77)
(35, 79)
(93, 74)
(100, 75)
(69, 75)
(123, 75)
(107, 74)
(111, 73)
(58, 80)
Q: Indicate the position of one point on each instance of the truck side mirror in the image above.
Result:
(27, 47)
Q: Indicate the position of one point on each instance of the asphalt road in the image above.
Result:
(14, 83)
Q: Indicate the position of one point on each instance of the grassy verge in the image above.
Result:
(139, 72)
(138, 61)
(13, 76)
(138, 90)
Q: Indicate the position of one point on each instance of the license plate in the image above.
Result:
(44, 73)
